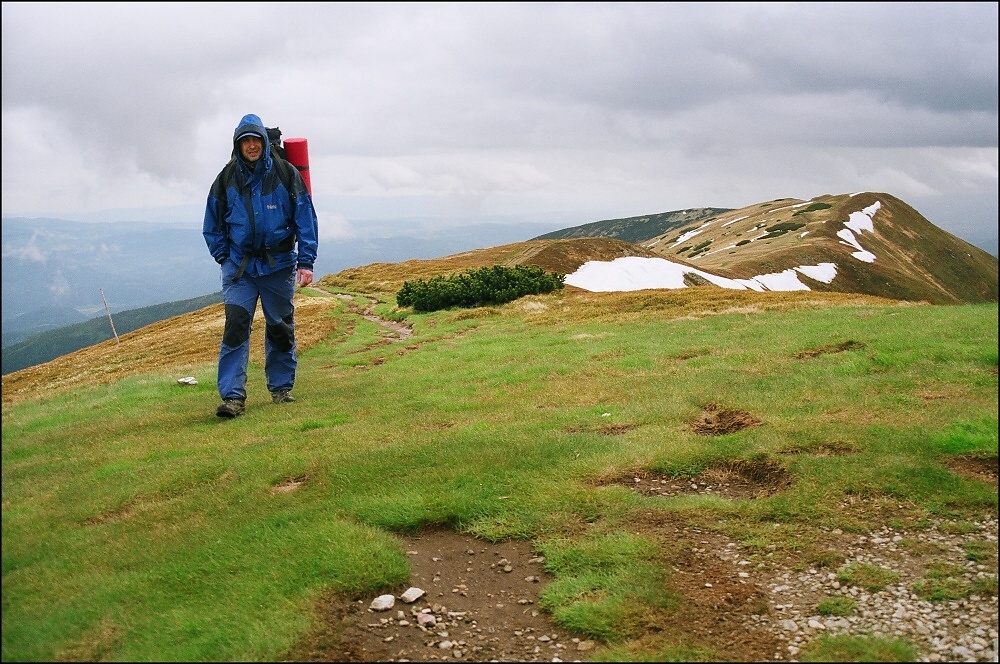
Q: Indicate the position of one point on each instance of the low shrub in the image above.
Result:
(478, 287)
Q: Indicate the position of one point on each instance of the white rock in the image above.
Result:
(412, 595)
(383, 603)
(788, 625)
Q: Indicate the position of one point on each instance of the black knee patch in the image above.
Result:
(238, 322)
(282, 335)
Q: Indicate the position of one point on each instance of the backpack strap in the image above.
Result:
(284, 174)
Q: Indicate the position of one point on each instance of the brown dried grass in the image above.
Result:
(175, 344)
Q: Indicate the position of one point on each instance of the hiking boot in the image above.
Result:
(282, 396)
(231, 408)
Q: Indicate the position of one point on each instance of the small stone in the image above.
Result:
(788, 625)
(412, 595)
(383, 603)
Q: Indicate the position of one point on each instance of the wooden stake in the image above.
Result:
(109, 318)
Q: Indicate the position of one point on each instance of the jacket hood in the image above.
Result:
(251, 124)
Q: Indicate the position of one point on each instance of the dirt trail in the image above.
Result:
(399, 329)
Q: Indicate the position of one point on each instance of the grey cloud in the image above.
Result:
(136, 102)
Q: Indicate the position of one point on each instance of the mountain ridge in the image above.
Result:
(904, 257)
(874, 244)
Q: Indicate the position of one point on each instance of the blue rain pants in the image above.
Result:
(275, 292)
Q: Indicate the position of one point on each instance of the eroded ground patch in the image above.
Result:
(484, 601)
(732, 479)
(716, 420)
(981, 468)
(482, 598)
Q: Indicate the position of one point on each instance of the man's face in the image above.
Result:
(251, 147)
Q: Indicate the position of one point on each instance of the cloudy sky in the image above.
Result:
(561, 113)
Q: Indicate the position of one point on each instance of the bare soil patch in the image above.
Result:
(398, 331)
(734, 479)
(830, 348)
(717, 421)
(483, 596)
(484, 601)
(979, 468)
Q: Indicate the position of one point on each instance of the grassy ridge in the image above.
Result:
(138, 526)
(47, 345)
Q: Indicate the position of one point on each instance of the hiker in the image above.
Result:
(253, 220)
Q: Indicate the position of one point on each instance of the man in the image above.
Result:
(258, 210)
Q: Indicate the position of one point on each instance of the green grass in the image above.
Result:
(868, 576)
(138, 526)
(858, 649)
(945, 582)
(837, 606)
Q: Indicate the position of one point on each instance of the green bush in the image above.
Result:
(785, 226)
(699, 248)
(782, 228)
(477, 288)
(813, 208)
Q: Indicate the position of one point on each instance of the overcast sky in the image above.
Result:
(565, 113)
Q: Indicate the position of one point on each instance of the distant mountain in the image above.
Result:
(55, 343)
(873, 243)
(636, 229)
(866, 243)
(55, 270)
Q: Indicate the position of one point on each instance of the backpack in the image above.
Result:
(274, 138)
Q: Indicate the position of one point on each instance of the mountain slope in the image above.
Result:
(547, 421)
(55, 271)
(174, 344)
(48, 345)
(635, 229)
(873, 242)
(867, 243)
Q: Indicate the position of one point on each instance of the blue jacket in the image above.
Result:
(251, 219)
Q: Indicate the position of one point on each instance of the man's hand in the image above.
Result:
(304, 277)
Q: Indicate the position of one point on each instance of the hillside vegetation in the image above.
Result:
(899, 255)
(48, 345)
(138, 526)
(904, 257)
